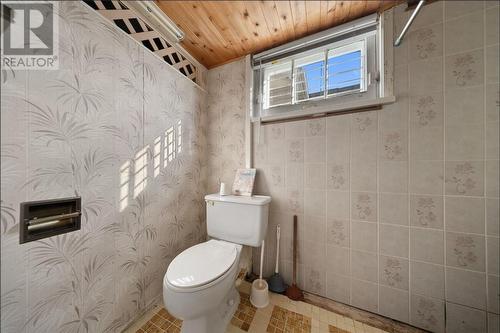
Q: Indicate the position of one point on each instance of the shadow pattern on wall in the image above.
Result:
(123, 130)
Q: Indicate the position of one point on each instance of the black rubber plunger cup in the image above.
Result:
(293, 292)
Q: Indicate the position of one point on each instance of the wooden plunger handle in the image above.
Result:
(294, 248)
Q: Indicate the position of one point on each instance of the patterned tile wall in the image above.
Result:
(398, 208)
(125, 131)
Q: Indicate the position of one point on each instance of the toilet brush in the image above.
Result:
(259, 296)
(276, 282)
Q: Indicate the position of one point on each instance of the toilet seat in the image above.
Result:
(201, 264)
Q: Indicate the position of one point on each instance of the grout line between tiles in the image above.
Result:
(377, 165)
(486, 268)
(350, 119)
(408, 202)
(443, 64)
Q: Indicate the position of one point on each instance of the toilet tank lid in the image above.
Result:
(259, 200)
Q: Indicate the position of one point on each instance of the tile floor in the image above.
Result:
(281, 315)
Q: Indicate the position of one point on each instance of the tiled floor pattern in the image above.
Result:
(161, 322)
(283, 320)
(281, 315)
(244, 314)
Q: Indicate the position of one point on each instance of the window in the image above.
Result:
(337, 66)
(306, 77)
(309, 77)
(278, 85)
(346, 69)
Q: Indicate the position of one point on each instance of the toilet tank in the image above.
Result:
(237, 219)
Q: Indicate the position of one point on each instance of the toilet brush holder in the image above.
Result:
(259, 296)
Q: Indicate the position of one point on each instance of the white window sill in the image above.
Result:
(316, 110)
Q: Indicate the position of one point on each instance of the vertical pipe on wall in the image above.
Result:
(248, 110)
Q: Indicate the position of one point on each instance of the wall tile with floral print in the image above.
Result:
(426, 42)
(364, 206)
(427, 313)
(464, 69)
(464, 178)
(337, 176)
(426, 211)
(426, 110)
(315, 127)
(393, 145)
(394, 272)
(465, 251)
(364, 128)
(277, 176)
(337, 232)
(295, 152)
(275, 132)
(295, 201)
(315, 280)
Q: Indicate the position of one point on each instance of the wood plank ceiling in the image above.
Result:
(218, 32)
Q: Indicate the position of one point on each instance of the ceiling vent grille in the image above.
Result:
(130, 23)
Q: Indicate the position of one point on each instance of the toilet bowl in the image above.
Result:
(199, 286)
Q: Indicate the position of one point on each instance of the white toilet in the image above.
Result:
(199, 286)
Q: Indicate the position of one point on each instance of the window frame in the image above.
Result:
(346, 49)
(346, 43)
(265, 80)
(294, 95)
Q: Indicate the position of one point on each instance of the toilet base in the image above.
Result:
(218, 320)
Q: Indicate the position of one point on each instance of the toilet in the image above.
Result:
(199, 285)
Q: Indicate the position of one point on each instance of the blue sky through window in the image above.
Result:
(314, 77)
(344, 73)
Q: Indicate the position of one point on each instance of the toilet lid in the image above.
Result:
(201, 264)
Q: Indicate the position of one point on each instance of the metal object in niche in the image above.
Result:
(46, 218)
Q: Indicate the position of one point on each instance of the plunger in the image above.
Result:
(293, 292)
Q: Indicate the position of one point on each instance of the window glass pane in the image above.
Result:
(278, 85)
(309, 75)
(344, 71)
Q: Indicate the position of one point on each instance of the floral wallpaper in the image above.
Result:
(126, 132)
(395, 206)
(400, 205)
(226, 128)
